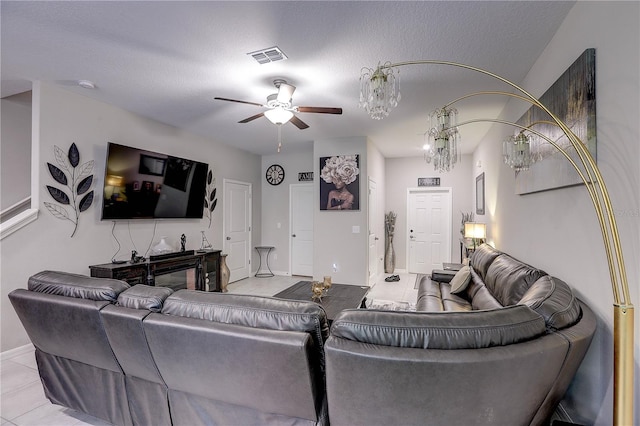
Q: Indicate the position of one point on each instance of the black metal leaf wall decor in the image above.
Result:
(77, 181)
(210, 199)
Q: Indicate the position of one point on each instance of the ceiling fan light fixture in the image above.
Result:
(278, 115)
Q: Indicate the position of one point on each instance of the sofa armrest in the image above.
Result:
(442, 275)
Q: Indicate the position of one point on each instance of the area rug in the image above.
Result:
(418, 279)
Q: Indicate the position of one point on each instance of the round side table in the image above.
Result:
(264, 250)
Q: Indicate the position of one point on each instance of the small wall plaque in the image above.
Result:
(305, 177)
(430, 181)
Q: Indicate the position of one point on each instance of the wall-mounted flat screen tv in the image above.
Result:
(141, 184)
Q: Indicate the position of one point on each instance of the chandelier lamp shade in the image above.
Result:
(379, 90)
(443, 139)
(278, 115)
(516, 151)
(519, 154)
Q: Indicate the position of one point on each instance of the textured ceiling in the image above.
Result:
(168, 60)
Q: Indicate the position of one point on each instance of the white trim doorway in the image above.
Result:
(301, 196)
(237, 224)
(428, 232)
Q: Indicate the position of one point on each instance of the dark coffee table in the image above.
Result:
(339, 298)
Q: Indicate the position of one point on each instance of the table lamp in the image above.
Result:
(476, 231)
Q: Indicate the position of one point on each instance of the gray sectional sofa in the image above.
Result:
(502, 351)
(147, 356)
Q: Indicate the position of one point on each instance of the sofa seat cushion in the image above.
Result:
(145, 297)
(440, 330)
(434, 296)
(509, 279)
(76, 285)
(554, 300)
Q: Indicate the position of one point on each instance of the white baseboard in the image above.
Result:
(17, 351)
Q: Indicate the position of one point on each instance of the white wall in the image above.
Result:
(275, 206)
(557, 230)
(334, 239)
(46, 244)
(15, 150)
(403, 173)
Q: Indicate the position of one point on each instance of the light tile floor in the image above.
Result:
(22, 399)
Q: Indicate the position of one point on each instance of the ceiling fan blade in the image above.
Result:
(320, 110)
(253, 117)
(285, 92)
(240, 102)
(298, 123)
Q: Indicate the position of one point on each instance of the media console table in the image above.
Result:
(197, 270)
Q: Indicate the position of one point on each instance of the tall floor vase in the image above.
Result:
(224, 273)
(389, 257)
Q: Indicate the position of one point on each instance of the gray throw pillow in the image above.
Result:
(460, 280)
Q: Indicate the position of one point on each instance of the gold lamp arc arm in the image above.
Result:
(586, 179)
(528, 127)
(620, 281)
(597, 198)
(623, 308)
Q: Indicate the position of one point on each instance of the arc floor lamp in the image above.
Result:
(380, 93)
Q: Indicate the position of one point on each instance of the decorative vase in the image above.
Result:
(389, 258)
(224, 273)
(162, 247)
(316, 291)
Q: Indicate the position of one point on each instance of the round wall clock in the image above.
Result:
(275, 174)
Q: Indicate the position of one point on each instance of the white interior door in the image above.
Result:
(374, 218)
(237, 228)
(428, 229)
(301, 237)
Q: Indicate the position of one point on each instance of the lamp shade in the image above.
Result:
(475, 230)
(278, 115)
(113, 180)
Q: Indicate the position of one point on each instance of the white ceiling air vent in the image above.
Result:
(271, 54)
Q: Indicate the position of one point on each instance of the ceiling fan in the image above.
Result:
(280, 110)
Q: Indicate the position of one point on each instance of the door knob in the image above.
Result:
(293, 235)
(376, 238)
(228, 238)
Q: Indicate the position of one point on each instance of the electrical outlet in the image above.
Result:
(335, 267)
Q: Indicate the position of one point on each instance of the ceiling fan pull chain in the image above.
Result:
(279, 137)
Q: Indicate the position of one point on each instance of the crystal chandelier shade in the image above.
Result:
(516, 151)
(379, 91)
(443, 139)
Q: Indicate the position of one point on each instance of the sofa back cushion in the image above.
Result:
(262, 354)
(145, 297)
(482, 258)
(440, 330)
(554, 300)
(509, 279)
(78, 286)
(478, 294)
(251, 311)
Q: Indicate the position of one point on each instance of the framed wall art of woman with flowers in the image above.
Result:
(340, 182)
